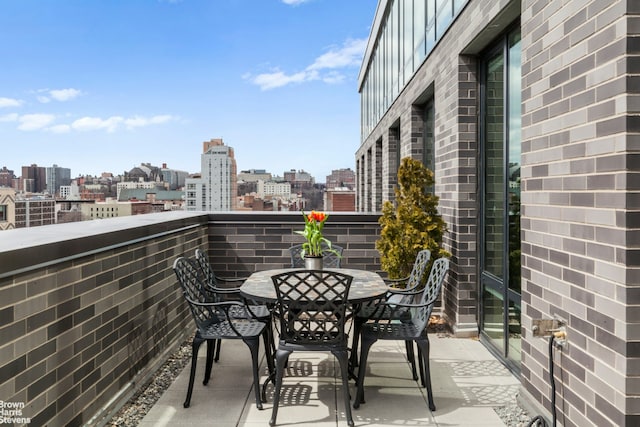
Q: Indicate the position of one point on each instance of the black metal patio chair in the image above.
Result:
(215, 321)
(231, 292)
(402, 290)
(412, 329)
(312, 309)
(329, 260)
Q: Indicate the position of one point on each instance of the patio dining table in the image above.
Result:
(366, 285)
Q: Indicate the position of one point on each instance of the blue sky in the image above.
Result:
(103, 85)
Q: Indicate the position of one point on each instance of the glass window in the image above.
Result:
(514, 153)
(419, 26)
(429, 157)
(3, 212)
(444, 16)
(501, 142)
(407, 39)
(494, 167)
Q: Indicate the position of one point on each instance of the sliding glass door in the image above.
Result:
(500, 198)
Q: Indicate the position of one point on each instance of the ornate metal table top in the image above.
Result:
(366, 285)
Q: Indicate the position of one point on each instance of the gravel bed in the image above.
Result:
(142, 401)
(134, 411)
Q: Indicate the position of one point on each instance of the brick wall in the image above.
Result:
(451, 79)
(83, 319)
(240, 244)
(580, 205)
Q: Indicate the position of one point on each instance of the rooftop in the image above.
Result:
(469, 383)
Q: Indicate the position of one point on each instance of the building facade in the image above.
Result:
(33, 179)
(270, 188)
(340, 178)
(217, 187)
(34, 212)
(526, 111)
(7, 208)
(7, 177)
(56, 177)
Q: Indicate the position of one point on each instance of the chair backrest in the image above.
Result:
(416, 278)
(312, 306)
(431, 292)
(329, 260)
(202, 261)
(189, 277)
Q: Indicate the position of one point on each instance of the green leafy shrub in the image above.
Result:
(412, 223)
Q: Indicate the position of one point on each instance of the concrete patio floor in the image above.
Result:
(468, 382)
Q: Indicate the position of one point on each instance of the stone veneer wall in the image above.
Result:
(89, 310)
(580, 163)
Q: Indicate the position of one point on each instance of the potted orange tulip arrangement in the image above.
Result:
(315, 245)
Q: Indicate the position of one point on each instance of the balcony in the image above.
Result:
(89, 310)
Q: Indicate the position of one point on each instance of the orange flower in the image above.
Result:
(314, 222)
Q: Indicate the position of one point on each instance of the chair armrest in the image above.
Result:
(225, 291)
(212, 304)
(231, 279)
(395, 291)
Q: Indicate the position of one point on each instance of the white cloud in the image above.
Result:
(138, 121)
(333, 78)
(347, 56)
(29, 122)
(13, 117)
(59, 129)
(294, 2)
(65, 94)
(96, 123)
(276, 79)
(61, 95)
(9, 102)
(114, 123)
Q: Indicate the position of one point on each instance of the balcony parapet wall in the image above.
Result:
(89, 310)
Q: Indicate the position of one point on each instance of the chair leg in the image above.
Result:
(412, 359)
(268, 354)
(423, 344)
(254, 346)
(343, 359)
(218, 347)
(281, 360)
(421, 366)
(195, 346)
(357, 328)
(211, 345)
(364, 354)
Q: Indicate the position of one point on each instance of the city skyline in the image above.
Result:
(94, 84)
(274, 174)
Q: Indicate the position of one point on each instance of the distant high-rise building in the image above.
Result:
(57, 176)
(341, 178)
(33, 179)
(216, 188)
(173, 178)
(6, 177)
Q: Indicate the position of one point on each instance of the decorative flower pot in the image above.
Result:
(313, 262)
